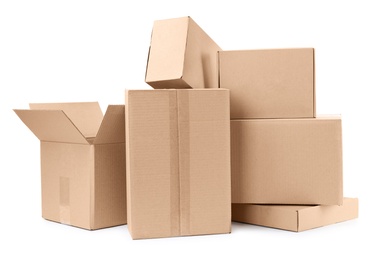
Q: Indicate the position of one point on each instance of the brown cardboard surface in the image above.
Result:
(178, 162)
(295, 218)
(87, 116)
(181, 55)
(287, 161)
(83, 184)
(274, 83)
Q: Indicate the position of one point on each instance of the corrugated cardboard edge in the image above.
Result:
(314, 217)
(314, 85)
(128, 163)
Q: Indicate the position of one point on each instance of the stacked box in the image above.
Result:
(281, 152)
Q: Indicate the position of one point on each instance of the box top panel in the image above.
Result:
(86, 116)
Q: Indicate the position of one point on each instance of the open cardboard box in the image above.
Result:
(82, 162)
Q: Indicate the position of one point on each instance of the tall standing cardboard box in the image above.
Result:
(181, 55)
(274, 83)
(287, 161)
(178, 162)
(82, 162)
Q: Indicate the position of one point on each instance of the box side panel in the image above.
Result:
(200, 64)
(109, 186)
(295, 161)
(152, 160)
(269, 83)
(204, 156)
(325, 215)
(167, 50)
(266, 215)
(65, 170)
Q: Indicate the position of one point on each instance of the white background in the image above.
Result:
(65, 51)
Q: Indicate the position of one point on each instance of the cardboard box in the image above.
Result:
(275, 83)
(178, 162)
(287, 161)
(82, 162)
(293, 217)
(181, 55)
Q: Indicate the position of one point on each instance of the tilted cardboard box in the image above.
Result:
(178, 162)
(82, 162)
(274, 83)
(293, 217)
(287, 161)
(181, 55)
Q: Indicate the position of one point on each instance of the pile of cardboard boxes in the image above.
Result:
(224, 135)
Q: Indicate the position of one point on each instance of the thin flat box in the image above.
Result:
(274, 83)
(181, 55)
(82, 162)
(287, 161)
(293, 217)
(178, 162)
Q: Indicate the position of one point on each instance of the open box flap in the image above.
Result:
(112, 129)
(86, 116)
(51, 125)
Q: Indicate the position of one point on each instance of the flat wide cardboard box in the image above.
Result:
(82, 162)
(274, 83)
(181, 55)
(178, 162)
(287, 161)
(293, 217)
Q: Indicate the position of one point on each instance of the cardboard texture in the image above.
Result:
(178, 162)
(82, 162)
(295, 218)
(287, 161)
(181, 55)
(275, 83)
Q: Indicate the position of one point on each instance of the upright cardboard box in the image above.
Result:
(82, 162)
(178, 162)
(181, 55)
(287, 161)
(275, 83)
(295, 217)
